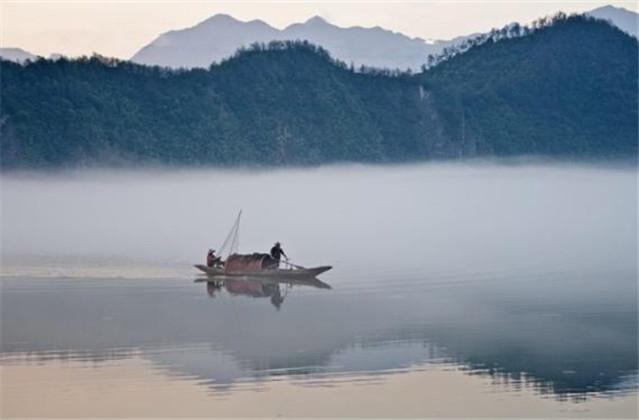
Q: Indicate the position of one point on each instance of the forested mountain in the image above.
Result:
(570, 88)
(567, 87)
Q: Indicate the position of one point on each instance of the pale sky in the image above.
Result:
(119, 28)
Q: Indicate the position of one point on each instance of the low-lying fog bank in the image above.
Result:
(441, 216)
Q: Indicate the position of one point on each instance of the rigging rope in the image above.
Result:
(232, 240)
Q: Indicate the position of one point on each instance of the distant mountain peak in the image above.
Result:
(624, 19)
(17, 55)
(223, 21)
(317, 20)
(258, 21)
(221, 17)
(221, 35)
(611, 7)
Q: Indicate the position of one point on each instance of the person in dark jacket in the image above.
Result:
(276, 254)
(211, 259)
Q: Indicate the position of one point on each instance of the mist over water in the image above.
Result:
(438, 216)
(525, 274)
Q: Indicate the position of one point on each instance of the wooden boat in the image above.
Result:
(272, 273)
(255, 265)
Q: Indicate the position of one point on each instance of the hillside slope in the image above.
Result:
(566, 89)
(288, 104)
(570, 88)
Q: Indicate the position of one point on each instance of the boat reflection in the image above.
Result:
(580, 342)
(273, 288)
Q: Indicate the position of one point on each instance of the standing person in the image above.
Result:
(276, 254)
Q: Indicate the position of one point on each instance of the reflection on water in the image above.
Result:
(135, 388)
(505, 328)
(274, 289)
(500, 328)
(468, 330)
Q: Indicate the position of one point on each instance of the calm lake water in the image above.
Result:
(457, 291)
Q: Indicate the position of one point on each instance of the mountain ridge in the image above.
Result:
(17, 55)
(368, 46)
(624, 19)
(548, 93)
(390, 49)
(414, 58)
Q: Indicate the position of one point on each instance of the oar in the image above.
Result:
(299, 267)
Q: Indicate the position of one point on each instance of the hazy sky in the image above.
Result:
(119, 28)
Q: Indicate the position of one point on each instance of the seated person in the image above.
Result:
(212, 260)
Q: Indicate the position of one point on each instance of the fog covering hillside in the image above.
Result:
(567, 89)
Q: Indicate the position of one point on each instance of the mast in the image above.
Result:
(231, 243)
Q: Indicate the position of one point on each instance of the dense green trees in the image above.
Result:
(566, 87)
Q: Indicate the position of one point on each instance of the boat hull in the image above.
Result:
(266, 273)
